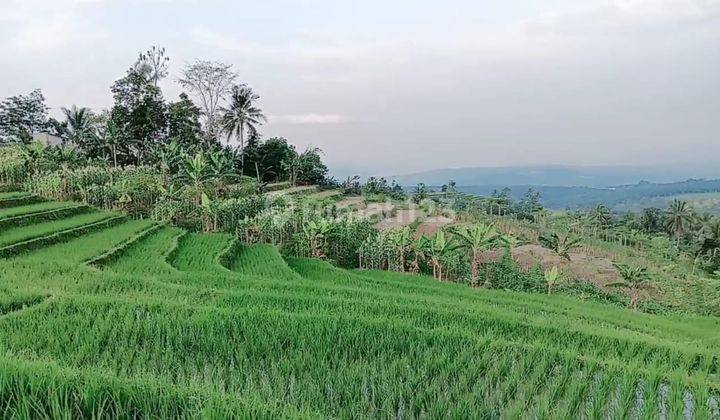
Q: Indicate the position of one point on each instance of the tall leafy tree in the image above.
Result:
(529, 205)
(265, 160)
(210, 82)
(651, 220)
(184, 124)
(22, 116)
(139, 112)
(312, 169)
(152, 64)
(241, 115)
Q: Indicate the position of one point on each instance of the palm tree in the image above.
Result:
(79, 124)
(635, 279)
(560, 244)
(241, 115)
(709, 238)
(478, 239)
(679, 219)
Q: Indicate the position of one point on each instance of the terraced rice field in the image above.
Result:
(167, 324)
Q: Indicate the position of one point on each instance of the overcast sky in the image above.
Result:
(396, 86)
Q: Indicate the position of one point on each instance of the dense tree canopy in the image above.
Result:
(22, 116)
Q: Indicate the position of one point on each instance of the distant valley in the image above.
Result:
(704, 193)
(561, 175)
(622, 188)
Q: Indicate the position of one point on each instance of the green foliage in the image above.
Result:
(186, 325)
(562, 245)
(21, 116)
(184, 124)
(506, 275)
(140, 114)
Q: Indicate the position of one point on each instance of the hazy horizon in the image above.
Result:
(400, 87)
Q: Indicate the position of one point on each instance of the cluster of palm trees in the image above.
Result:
(677, 221)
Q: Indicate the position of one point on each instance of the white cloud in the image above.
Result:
(309, 119)
(625, 14)
(41, 26)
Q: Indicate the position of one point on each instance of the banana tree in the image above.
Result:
(562, 245)
(209, 208)
(168, 158)
(635, 279)
(316, 233)
(402, 241)
(553, 278)
(33, 153)
(435, 249)
(196, 173)
(478, 239)
(221, 169)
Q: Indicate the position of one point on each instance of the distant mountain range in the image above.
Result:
(573, 187)
(636, 196)
(560, 176)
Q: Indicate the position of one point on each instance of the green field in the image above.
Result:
(134, 320)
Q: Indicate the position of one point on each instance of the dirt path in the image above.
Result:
(293, 190)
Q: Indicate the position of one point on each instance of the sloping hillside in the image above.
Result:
(105, 317)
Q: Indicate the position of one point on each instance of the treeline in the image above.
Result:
(188, 161)
(684, 228)
(141, 128)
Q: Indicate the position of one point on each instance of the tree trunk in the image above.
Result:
(242, 149)
(634, 298)
(474, 266)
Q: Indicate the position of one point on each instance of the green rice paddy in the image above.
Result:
(173, 324)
